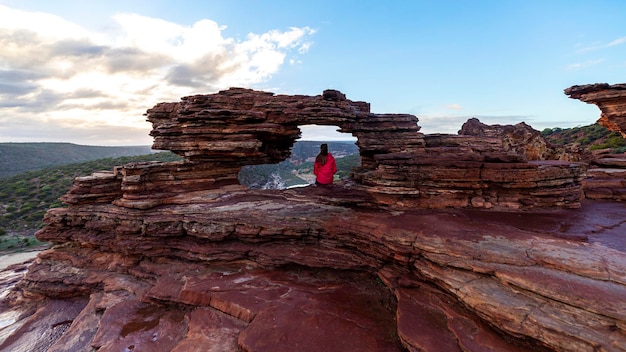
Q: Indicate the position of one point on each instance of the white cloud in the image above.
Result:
(46, 25)
(582, 65)
(598, 46)
(323, 133)
(30, 128)
(58, 71)
(455, 106)
(304, 47)
(617, 41)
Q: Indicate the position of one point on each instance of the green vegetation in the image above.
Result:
(346, 164)
(15, 243)
(299, 167)
(26, 197)
(17, 158)
(591, 137)
(286, 173)
(269, 176)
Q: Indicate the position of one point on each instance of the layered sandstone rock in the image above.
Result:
(520, 139)
(180, 257)
(217, 134)
(313, 268)
(465, 171)
(611, 99)
(607, 175)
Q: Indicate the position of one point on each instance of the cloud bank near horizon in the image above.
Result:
(62, 82)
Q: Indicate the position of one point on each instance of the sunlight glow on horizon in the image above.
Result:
(86, 72)
(110, 79)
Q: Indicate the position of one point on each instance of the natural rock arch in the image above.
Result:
(262, 127)
(535, 279)
(217, 134)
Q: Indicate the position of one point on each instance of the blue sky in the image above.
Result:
(86, 71)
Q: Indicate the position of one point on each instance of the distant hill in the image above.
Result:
(16, 158)
(307, 150)
(591, 137)
(24, 198)
(298, 169)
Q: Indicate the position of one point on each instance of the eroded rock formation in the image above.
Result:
(611, 99)
(180, 257)
(520, 139)
(219, 133)
(304, 268)
(606, 177)
(607, 173)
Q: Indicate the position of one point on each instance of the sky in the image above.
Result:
(85, 72)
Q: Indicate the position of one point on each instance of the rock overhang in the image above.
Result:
(610, 99)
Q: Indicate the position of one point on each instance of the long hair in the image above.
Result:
(323, 155)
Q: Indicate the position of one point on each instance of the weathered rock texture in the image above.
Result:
(313, 268)
(606, 178)
(217, 134)
(520, 139)
(180, 257)
(611, 99)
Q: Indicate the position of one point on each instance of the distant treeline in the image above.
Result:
(592, 137)
(16, 158)
(25, 198)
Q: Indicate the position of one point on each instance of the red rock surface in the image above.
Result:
(180, 257)
(611, 99)
(520, 139)
(219, 133)
(311, 268)
(606, 178)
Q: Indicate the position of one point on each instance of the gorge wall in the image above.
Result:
(180, 257)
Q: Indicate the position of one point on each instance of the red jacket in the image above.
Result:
(325, 172)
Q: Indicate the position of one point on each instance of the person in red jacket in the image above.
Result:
(324, 167)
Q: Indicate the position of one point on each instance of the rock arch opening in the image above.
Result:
(297, 169)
